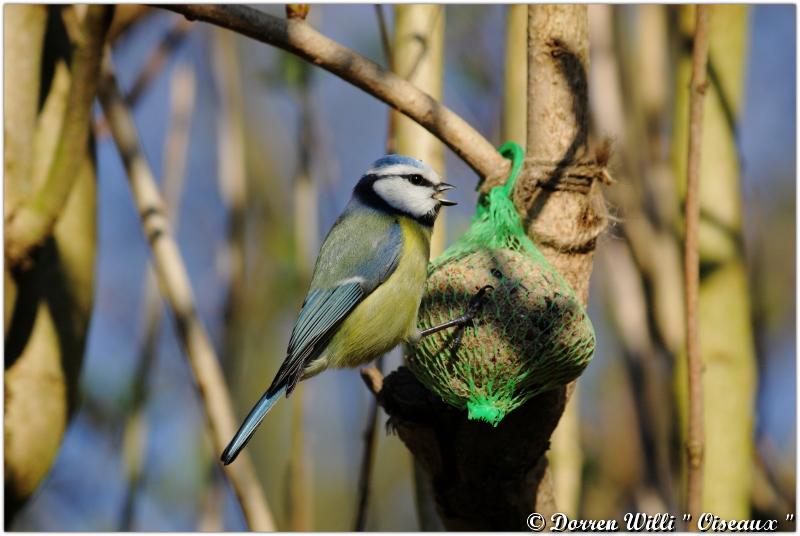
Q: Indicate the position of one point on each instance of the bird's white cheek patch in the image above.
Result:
(400, 194)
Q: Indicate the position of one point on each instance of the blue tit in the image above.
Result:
(367, 283)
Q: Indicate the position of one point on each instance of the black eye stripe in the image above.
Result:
(418, 180)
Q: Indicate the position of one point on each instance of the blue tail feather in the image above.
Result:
(250, 424)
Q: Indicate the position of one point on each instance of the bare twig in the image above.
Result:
(127, 16)
(386, 45)
(418, 56)
(368, 454)
(298, 37)
(158, 59)
(373, 379)
(174, 284)
(152, 68)
(306, 238)
(182, 97)
(384, 30)
(29, 225)
(694, 446)
(370, 435)
(232, 175)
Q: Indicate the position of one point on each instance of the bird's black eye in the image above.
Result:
(416, 180)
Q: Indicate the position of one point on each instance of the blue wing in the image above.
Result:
(361, 252)
(325, 308)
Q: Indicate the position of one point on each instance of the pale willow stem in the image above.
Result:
(418, 56)
(31, 223)
(299, 38)
(173, 281)
(695, 441)
(24, 28)
(515, 75)
(370, 430)
(182, 88)
(306, 231)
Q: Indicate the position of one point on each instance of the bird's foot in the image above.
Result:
(473, 307)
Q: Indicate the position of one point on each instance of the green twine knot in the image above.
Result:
(497, 211)
(513, 152)
(496, 224)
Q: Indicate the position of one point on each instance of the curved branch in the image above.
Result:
(174, 283)
(299, 38)
(29, 225)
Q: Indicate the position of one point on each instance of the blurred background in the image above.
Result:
(273, 150)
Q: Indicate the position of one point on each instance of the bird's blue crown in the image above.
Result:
(397, 159)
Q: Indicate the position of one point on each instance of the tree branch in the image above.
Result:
(28, 225)
(174, 284)
(299, 38)
(695, 438)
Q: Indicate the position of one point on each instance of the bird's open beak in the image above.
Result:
(443, 187)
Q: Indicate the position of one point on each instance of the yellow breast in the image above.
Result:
(388, 316)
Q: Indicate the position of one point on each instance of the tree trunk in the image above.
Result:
(488, 478)
(726, 339)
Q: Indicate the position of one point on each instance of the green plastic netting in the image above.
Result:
(531, 333)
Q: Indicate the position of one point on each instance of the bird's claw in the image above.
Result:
(476, 302)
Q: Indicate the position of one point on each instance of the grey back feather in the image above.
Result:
(360, 252)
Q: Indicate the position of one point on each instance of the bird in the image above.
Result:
(367, 282)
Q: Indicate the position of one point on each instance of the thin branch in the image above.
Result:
(151, 69)
(126, 17)
(306, 242)
(30, 224)
(174, 284)
(177, 144)
(370, 436)
(385, 42)
(418, 51)
(231, 171)
(157, 60)
(299, 38)
(368, 454)
(388, 54)
(695, 441)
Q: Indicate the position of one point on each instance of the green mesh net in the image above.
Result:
(531, 333)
